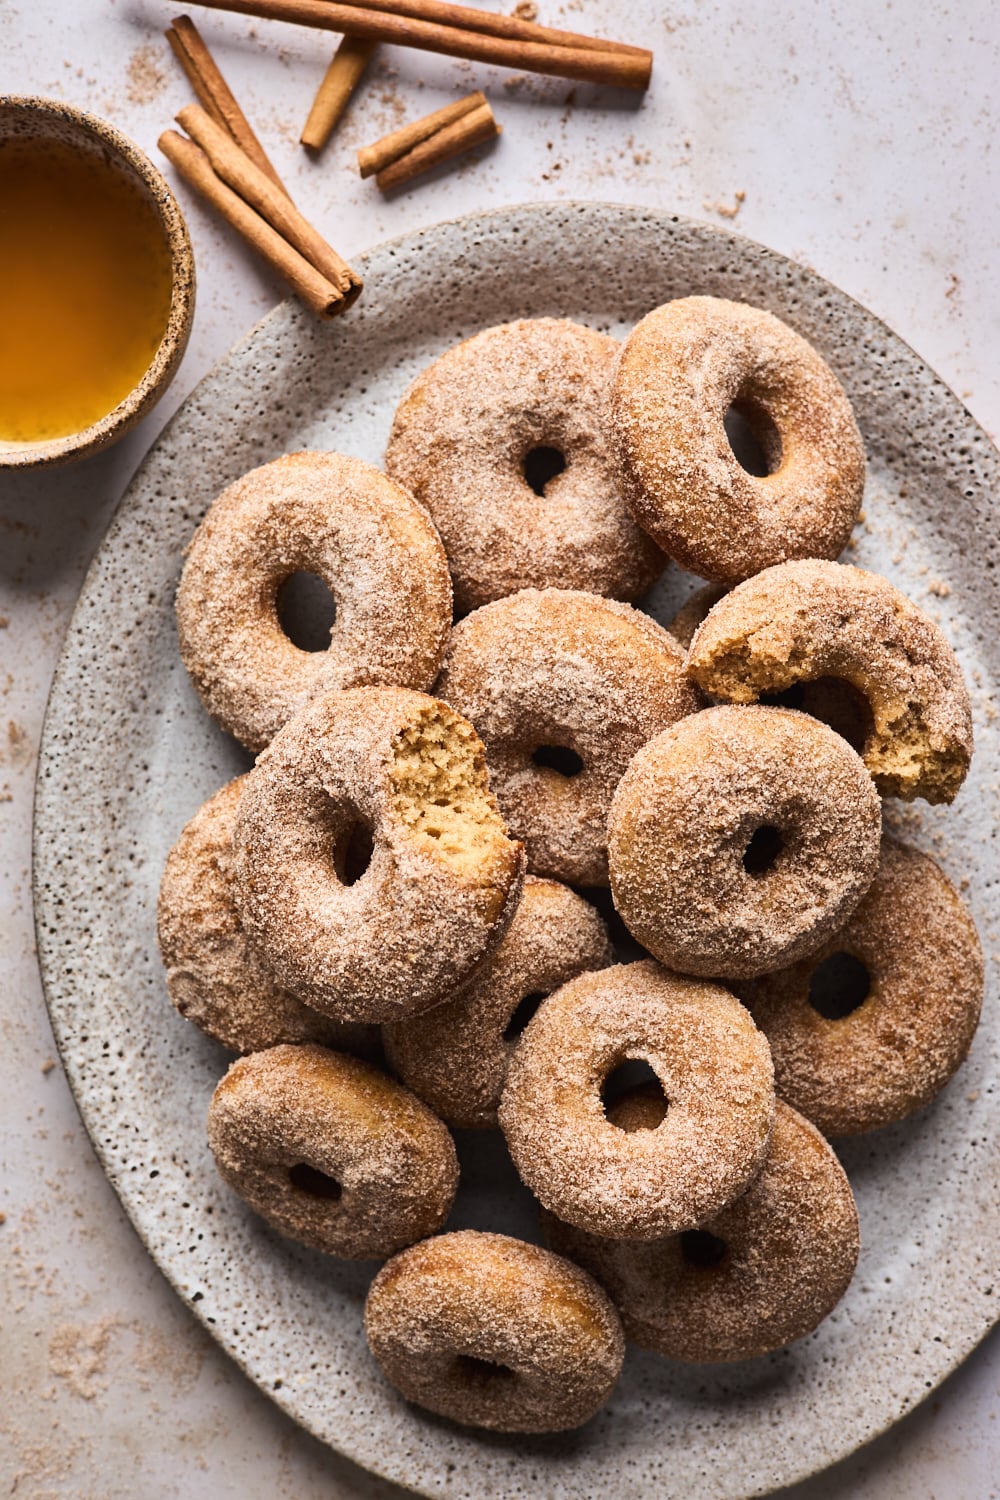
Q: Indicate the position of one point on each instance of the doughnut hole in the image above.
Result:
(834, 701)
(522, 1015)
(632, 1096)
(353, 850)
(441, 792)
(480, 1373)
(839, 985)
(541, 465)
(309, 1179)
(753, 437)
(306, 610)
(702, 1250)
(559, 758)
(765, 848)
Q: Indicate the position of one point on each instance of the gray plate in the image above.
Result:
(128, 755)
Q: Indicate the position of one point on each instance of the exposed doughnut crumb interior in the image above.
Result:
(441, 791)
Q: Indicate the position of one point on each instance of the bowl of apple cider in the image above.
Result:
(96, 283)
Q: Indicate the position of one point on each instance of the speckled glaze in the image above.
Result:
(29, 116)
(128, 756)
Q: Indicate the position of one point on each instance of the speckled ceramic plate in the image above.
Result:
(128, 755)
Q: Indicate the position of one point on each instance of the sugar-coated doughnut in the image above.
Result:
(683, 368)
(370, 542)
(455, 1056)
(874, 1023)
(740, 838)
(766, 1270)
(371, 863)
(216, 977)
(494, 1332)
(715, 1071)
(332, 1152)
(477, 436)
(551, 671)
(820, 620)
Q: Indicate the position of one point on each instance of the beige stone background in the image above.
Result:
(857, 137)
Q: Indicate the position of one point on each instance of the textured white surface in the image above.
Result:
(862, 143)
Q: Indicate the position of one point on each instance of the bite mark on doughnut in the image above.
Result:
(442, 793)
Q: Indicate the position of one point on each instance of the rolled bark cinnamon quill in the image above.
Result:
(415, 148)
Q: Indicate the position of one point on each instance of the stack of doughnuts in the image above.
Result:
(395, 917)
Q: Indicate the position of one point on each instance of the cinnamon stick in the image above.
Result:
(339, 82)
(236, 169)
(315, 290)
(214, 92)
(622, 69)
(461, 135)
(490, 24)
(391, 147)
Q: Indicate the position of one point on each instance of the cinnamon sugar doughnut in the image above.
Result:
(821, 620)
(546, 672)
(455, 1056)
(215, 975)
(331, 1152)
(715, 1070)
(740, 838)
(502, 439)
(682, 370)
(765, 1271)
(442, 881)
(369, 542)
(495, 1332)
(875, 1022)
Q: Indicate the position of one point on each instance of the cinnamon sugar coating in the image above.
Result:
(332, 1152)
(740, 838)
(374, 939)
(682, 368)
(494, 1332)
(715, 1070)
(216, 977)
(766, 1270)
(891, 1054)
(822, 620)
(557, 669)
(460, 440)
(455, 1057)
(371, 544)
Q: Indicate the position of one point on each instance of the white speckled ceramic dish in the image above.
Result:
(128, 755)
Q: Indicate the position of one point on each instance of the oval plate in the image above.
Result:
(128, 756)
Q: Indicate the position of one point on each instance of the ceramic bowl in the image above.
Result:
(27, 117)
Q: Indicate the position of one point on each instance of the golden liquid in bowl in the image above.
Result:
(85, 286)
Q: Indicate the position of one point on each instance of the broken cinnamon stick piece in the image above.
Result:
(470, 130)
(390, 148)
(339, 82)
(304, 279)
(236, 169)
(214, 93)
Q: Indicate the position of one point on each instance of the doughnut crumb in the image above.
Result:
(441, 790)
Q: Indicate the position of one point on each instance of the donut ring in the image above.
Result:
(564, 671)
(892, 1052)
(740, 838)
(715, 1070)
(467, 438)
(455, 1057)
(215, 975)
(681, 371)
(824, 620)
(331, 1152)
(765, 1271)
(442, 880)
(491, 1331)
(369, 542)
